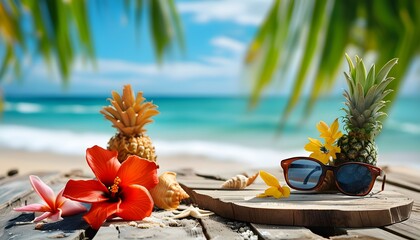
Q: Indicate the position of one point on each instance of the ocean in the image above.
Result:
(220, 128)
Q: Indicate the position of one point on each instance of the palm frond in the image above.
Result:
(386, 28)
(60, 31)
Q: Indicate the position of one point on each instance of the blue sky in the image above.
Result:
(216, 34)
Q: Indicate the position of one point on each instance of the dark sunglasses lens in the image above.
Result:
(354, 179)
(304, 174)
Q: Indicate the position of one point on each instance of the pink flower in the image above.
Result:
(55, 207)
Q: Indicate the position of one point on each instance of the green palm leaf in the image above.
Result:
(59, 29)
(386, 27)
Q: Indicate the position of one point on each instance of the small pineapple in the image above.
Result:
(129, 115)
(365, 99)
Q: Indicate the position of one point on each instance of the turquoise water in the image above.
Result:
(221, 128)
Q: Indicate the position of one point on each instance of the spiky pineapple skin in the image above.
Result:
(139, 144)
(355, 148)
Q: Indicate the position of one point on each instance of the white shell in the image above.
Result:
(239, 182)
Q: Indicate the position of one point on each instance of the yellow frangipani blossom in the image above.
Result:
(274, 189)
(329, 133)
(322, 152)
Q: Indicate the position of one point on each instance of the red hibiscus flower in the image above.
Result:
(119, 190)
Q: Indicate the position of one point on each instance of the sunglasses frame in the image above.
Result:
(375, 171)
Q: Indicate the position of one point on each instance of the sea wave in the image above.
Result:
(23, 107)
(31, 108)
(72, 143)
(56, 141)
(404, 127)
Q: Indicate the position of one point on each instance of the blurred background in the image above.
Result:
(234, 80)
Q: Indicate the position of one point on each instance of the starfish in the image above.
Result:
(191, 211)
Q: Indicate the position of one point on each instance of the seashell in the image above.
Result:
(239, 181)
(168, 193)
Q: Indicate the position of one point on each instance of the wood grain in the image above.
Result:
(271, 232)
(215, 227)
(17, 191)
(301, 209)
(188, 229)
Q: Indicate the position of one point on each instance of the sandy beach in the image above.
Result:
(28, 162)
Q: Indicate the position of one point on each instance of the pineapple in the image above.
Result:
(129, 115)
(365, 99)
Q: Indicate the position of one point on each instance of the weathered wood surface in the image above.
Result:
(216, 227)
(271, 232)
(158, 226)
(15, 191)
(300, 209)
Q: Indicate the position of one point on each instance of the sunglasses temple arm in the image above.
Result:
(309, 175)
(383, 181)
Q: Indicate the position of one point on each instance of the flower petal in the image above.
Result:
(137, 203)
(70, 208)
(273, 191)
(262, 195)
(67, 206)
(36, 207)
(314, 145)
(322, 127)
(99, 212)
(334, 126)
(43, 216)
(43, 190)
(269, 179)
(136, 170)
(322, 157)
(103, 163)
(88, 191)
(285, 191)
(56, 216)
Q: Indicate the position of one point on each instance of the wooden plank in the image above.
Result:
(411, 227)
(304, 209)
(155, 227)
(28, 231)
(406, 174)
(17, 225)
(16, 187)
(367, 233)
(408, 229)
(271, 232)
(216, 227)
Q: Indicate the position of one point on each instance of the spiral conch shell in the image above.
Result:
(239, 181)
(168, 193)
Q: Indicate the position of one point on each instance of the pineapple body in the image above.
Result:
(126, 145)
(364, 101)
(129, 114)
(356, 149)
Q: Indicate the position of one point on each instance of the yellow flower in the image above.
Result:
(322, 152)
(330, 134)
(274, 190)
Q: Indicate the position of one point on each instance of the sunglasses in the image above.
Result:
(353, 178)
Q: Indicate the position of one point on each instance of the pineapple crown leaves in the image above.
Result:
(365, 96)
(128, 114)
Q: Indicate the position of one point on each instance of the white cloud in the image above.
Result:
(208, 67)
(171, 71)
(229, 44)
(250, 12)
